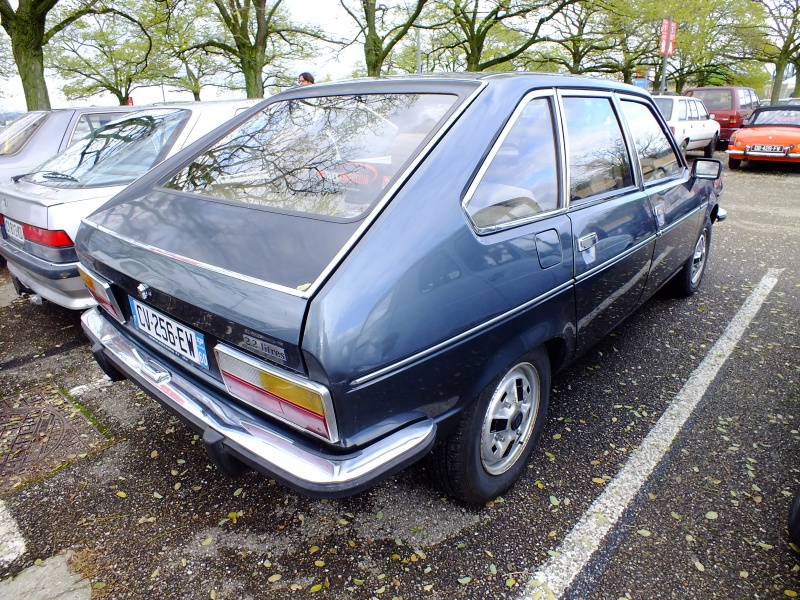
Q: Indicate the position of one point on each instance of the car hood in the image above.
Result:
(32, 203)
(248, 266)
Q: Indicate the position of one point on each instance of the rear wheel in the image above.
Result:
(687, 280)
(487, 451)
(708, 151)
(734, 163)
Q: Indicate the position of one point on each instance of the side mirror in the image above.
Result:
(707, 168)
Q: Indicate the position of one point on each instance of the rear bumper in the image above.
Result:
(785, 157)
(230, 432)
(57, 282)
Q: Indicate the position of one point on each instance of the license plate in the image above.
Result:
(767, 148)
(14, 231)
(178, 338)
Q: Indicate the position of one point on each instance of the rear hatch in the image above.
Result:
(233, 242)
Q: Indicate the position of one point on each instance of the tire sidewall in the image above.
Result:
(480, 485)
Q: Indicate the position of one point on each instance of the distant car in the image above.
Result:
(730, 105)
(772, 133)
(33, 137)
(354, 274)
(41, 210)
(689, 121)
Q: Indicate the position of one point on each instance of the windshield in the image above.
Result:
(665, 106)
(787, 116)
(115, 154)
(715, 99)
(327, 156)
(16, 134)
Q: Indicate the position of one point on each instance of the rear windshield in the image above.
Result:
(665, 106)
(715, 99)
(328, 156)
(17, 133)
(789, 117)
(115, 154)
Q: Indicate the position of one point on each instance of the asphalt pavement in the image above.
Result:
(100, 471)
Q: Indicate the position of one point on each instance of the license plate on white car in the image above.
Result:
(168, 332)
(766, 148)
(14, 231)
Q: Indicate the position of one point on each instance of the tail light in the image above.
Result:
(101, 292)
(736, 118)
(301, 403)
(47, 237)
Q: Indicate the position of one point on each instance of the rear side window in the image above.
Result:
(701, 110)
(521, 179)
(329, 156)
(656, 155)
(16, 134)
(683, 114)
(693, 116)
(665, 105)
(598, 157)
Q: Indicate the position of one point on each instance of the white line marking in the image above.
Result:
(104, 381)
(553, 578)
(12, 544)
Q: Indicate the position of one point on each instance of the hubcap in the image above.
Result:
(510, 418)
(699, 258)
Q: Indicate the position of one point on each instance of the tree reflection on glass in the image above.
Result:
(329, 156)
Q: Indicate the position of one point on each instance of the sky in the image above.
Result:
(328, 15)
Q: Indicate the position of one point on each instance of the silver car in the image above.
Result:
(41, 210)
(35, 136)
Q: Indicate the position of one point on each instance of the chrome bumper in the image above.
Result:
(228, 430)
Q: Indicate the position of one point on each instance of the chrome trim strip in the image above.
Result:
(197, 263)
(316, 471)
(461, 336)
(764, 154)
(682, 219)
(315, 387)
(346, 248)
(616, 259)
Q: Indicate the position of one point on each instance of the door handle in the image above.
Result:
(587, 241)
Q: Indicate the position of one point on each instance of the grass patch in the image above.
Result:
(86, 413)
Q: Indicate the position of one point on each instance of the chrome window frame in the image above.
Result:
(550, 95)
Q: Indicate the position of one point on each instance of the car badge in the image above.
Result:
(144, 291)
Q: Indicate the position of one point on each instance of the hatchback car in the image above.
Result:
(40, 211)
(35, 136)
(772, 133)
(690, 122)
(356, 274)
(730, 106)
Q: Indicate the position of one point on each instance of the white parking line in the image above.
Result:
(12, 544)
(555, 576)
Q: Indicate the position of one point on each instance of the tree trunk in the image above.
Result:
(796, 91)
(372, 42)
(27, 36)
(253, 77)
(777, 83)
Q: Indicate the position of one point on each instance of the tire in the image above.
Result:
(487, 450)
(687, 281)
(708, 151)
(734, 163)
(794, 520)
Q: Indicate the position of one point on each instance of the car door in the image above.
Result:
(679, 210)
(705, 126)
(613, 227)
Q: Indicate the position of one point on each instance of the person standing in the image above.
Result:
(305, 79)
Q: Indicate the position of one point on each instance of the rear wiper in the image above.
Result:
(57, 175)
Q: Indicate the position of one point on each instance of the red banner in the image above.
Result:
(668, 31)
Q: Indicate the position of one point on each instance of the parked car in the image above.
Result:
(690, 122)
(730, 105)
(35, 136)
(42, 209)
(772, 133)
(356, 274)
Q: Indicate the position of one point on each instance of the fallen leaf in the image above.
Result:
(699, 566)
(99, 585)
(238, 492)
(122, 494)
(316, 587)
(274, 578)
(554, 501)
(511, 582)
(643, 533)
(319, 563)
(206, 541)
(464, 580)
(711, 515)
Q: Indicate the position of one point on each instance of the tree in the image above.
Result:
(111, 52)
(382, 27)
(259, 34)
(26, 26)
(783, 32)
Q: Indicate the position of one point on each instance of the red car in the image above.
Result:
(772, 133)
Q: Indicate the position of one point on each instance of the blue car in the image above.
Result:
(352, 276)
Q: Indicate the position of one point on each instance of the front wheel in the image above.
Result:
(687, 281)
(487, 451)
